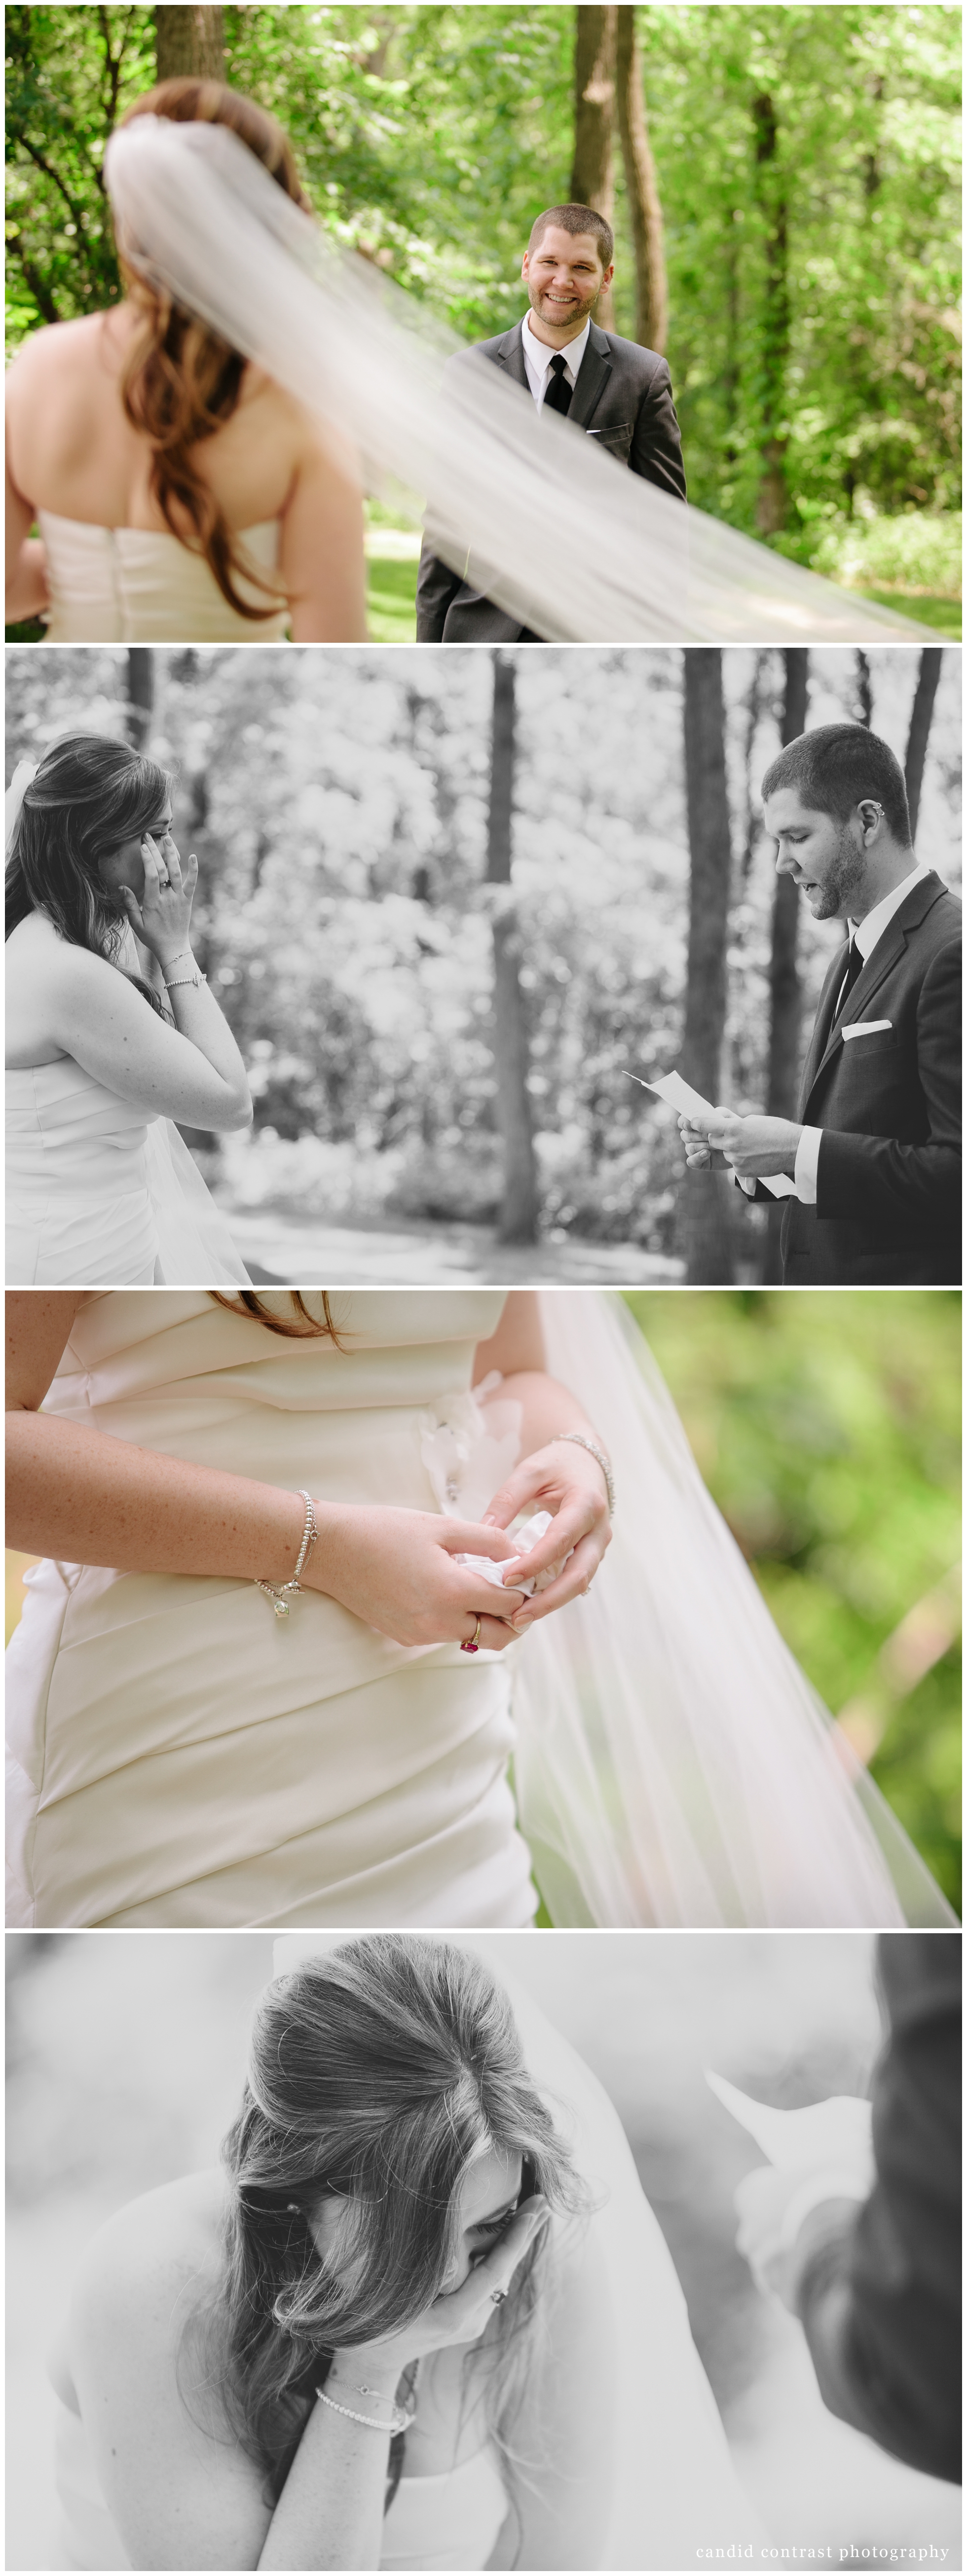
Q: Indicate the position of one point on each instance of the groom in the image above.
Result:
(618, 393)
(874, 1152)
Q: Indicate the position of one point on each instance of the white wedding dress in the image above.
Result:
(98, 1193)
(142, 586)
(179, 1756)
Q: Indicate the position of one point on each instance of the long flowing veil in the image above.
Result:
(674, 2489)
(674, 1766)
(537, 521)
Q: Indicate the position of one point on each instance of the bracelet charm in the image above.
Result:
(280, 1594)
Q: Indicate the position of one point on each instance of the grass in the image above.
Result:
(944, 615)
(391, 598)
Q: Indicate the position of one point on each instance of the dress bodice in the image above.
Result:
(142, 586)
(183, 1757)
(98, 1193)
(450, 2521)
(79, 1208)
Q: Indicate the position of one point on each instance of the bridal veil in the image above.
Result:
(533, 517)
(674, 1766)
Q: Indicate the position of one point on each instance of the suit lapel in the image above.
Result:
(593, 373)
(510, 356)
(819, 1042)
(886, 954)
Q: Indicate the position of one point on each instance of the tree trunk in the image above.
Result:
(140, 675)
(864, 690)
(644, 203)
(920, 717)
(518, 1222)
(592, 171)
(773, 498)
(707, 1204)
(785, 984)
(189, 43)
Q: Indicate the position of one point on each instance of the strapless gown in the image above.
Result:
(141, 586)
(448, 2521)
(180, 1755)
(99, 1195)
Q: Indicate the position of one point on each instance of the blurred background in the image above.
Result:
(127, 2053)
(444, 901)
(784, 188)
(827, 1427)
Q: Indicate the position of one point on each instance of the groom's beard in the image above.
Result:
(561, 315)
(843, 880)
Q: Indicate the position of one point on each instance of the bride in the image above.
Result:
(111, 1031)
(179, 492)
(421, 2316)
(246, 1688)
(196, 455)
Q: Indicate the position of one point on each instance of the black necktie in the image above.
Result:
(558, 394)
(854, 967)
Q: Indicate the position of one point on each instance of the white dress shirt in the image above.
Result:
(537, 358)
(866, 933)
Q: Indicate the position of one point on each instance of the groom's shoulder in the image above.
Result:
(644, 364)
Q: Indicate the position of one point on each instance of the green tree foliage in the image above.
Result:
(812, 285)
(827, 1428)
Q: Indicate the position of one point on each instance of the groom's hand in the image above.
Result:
(756, 1147)
(763, 2199)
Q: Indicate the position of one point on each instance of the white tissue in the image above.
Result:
(501, 1571)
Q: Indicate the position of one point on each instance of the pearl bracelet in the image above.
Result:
(592, 1447)
(401, 2419)
(277, 1592)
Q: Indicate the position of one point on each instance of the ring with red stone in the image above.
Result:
(471, 1645)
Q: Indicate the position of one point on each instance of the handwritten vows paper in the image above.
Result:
(680, 1096)
(836, 2133)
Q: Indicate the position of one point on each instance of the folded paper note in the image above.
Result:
(834, 2134)
(680, 1095)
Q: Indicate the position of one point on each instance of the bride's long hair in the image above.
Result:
(377, 2073)
(181, 382)
(87, 797)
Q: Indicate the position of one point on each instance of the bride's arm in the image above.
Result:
(26, 580)
(88, 1008)
(555, 1474)
(80, 1494)
(322, 560)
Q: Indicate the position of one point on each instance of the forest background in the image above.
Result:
(783, 183)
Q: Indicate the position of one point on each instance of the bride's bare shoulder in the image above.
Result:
(152, 2262)
(56, 346)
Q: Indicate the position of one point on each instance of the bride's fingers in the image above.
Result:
(473, 1538)
(577, 1576)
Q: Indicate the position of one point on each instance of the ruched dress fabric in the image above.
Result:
(447, 2521)
(180, 1755)
(99, 1195)
(142, 586)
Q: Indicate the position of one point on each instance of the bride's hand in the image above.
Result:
(567, 1481)
(395, 1569)
(163, 916)
(457, 2317)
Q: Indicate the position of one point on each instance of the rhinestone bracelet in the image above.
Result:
(277, 1592)
(592, 1447)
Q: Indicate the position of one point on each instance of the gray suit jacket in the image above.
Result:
(887, 1212)
(623, 399)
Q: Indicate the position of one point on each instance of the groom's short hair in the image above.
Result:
(835, 766)
(574, 219)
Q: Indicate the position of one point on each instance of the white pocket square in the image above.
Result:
(864, 1028)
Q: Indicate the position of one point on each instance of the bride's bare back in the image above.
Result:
(72, 451)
